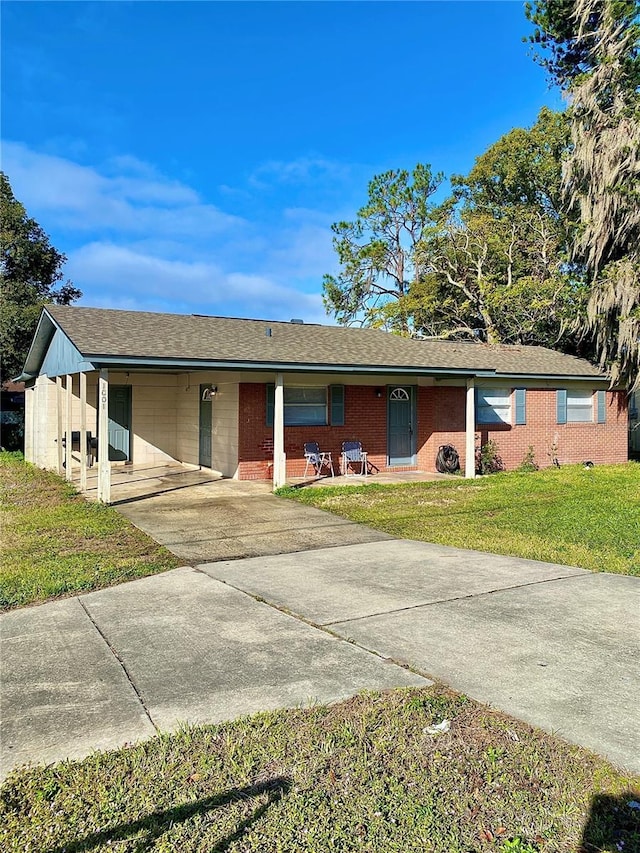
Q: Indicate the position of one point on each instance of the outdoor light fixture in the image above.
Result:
(209, 392)
(378, 392)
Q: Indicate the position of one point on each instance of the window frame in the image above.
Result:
(506, 393)
(307, 405)
(334, 405)
(572, 407)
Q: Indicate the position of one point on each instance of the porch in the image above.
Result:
(380, 478)
(135, 482)
(131, 483)
(169, 430)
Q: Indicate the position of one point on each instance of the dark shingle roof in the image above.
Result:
(107, 333)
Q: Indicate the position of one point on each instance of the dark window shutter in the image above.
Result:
(336, 393)
(521, 405)
(271, 395)
(561, 406)
(602, 407)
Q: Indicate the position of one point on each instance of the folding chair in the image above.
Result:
(351, 457)
(318, 459)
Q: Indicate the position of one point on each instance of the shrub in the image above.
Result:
(488, 460)
(529, 461)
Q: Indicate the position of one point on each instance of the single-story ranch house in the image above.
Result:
(241, 397)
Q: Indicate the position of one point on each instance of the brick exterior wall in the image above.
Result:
(440, 420)
(441, 414)
(365, 421)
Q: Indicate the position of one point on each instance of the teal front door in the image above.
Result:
(400, 425)
(206, 419)
(120, 423)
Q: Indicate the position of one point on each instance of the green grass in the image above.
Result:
(55, 543)
(576, 516)
(361, 775)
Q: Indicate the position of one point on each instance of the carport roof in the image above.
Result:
(108, 337)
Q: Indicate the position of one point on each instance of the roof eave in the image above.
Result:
(42, 337)
(298, 367)
(278, 366)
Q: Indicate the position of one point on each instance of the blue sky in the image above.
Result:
(191, 156)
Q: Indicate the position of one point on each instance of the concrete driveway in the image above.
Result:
(553, 645)
(556, 646)
(229, 519)
(111, 667)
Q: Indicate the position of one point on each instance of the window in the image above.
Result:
(575, 406)
(305, 406)
(309, 406)
(493, 406)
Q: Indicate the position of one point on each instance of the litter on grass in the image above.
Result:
(438, 729)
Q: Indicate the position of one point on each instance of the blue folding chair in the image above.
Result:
(319, 460)
(352, 458)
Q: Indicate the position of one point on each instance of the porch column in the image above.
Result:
(104, 470)
(28, 423)
(279, 458)
(83, 432)
(470, 431)
(68, 451)
(60, 448)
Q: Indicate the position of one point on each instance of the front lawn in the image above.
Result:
(54, 542)
(361, 775)
(575, 516)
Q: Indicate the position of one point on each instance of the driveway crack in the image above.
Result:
(123, 666)
(319, 627)
(457, 598)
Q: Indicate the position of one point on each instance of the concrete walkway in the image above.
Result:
(553, 645)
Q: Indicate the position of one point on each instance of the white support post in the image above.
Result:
(59, 425)
(279, 458)
(470, 431)
(83, 432)
(104, 469)
(68, 451)
(28, 424)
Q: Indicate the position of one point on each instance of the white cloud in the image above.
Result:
(133, 200)
(137, 238)
(302, 170)
(116, 276)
